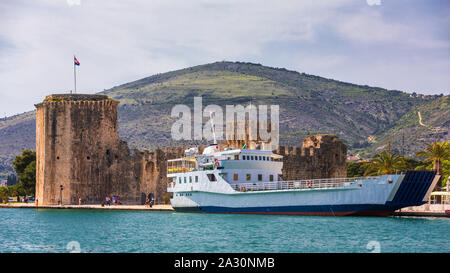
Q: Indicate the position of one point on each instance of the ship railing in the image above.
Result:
(299, 184)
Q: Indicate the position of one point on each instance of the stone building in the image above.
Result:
(78, 148)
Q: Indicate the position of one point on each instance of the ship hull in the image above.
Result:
(379, 196)
(335, 210)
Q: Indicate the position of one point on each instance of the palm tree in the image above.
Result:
(386, 163)
(436, 152)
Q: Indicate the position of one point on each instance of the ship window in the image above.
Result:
(271, 177)
(196, 179)
(249, 177)
(236, 157)
(190, 179)
(260, 158)
(251, 158)
(243, 157)
(259, 177)
(185, 179)
(235, 177)
(211, 177)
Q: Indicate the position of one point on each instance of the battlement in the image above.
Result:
(77, 99)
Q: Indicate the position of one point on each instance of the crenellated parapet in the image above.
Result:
(321, 156)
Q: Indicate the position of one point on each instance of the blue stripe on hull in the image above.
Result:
(299, 210)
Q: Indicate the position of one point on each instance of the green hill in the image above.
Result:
(362, 116)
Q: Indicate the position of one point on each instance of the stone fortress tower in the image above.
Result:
(78, 148)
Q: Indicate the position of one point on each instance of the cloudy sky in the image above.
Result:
(395, 44)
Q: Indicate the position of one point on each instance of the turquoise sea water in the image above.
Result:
(30, 230)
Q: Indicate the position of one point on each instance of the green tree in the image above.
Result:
(437, 153)
(386, 163)
(357, 169)
(25, 167)
(4, 194)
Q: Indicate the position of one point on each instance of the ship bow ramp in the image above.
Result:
(414, 189)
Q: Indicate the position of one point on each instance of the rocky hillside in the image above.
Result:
(425, 123)
(364, 117)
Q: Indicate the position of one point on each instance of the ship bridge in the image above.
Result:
(232, 165)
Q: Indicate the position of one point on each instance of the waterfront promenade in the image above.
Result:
(112, 207)
(433, 210)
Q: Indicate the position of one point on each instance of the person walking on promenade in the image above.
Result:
(79, 200)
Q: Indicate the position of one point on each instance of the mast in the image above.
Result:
(74, 75)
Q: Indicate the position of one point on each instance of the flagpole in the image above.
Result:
(74, 74)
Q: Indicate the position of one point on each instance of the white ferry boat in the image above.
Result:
(250, 181)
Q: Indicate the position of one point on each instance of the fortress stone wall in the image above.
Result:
(78, 147)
